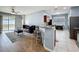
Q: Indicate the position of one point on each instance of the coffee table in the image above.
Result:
(18, 31)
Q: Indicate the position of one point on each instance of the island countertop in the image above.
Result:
(48, 37)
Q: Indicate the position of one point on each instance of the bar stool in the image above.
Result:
(37, 35)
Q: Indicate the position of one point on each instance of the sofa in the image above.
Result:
(29, 29)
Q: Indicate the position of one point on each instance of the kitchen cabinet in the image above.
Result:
(0, 24)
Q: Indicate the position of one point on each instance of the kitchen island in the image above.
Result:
(48, 37)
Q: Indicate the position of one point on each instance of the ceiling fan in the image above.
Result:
(13, 10)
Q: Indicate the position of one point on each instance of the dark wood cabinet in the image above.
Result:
(45, 18)
(74, 27)
(0, 23)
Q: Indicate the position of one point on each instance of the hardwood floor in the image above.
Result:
(63, 44)
(23, 45)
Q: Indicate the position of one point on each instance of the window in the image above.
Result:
(8, 22)
(5, 22)
(11, 22)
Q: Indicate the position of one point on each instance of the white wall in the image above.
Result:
(35, 18)
(74, 11)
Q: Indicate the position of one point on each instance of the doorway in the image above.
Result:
(61, 20)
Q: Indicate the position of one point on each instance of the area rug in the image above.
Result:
(14, 37)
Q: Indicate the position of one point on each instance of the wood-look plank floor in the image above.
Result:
(63, 44)
(23, 45)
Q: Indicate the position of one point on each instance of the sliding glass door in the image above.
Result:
(5, 22)
(11, 23)
(8, 22)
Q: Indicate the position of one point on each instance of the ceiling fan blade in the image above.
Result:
(14, 11)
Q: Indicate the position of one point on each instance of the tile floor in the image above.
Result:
(64, 43)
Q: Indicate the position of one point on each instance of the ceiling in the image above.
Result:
(25, 10)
